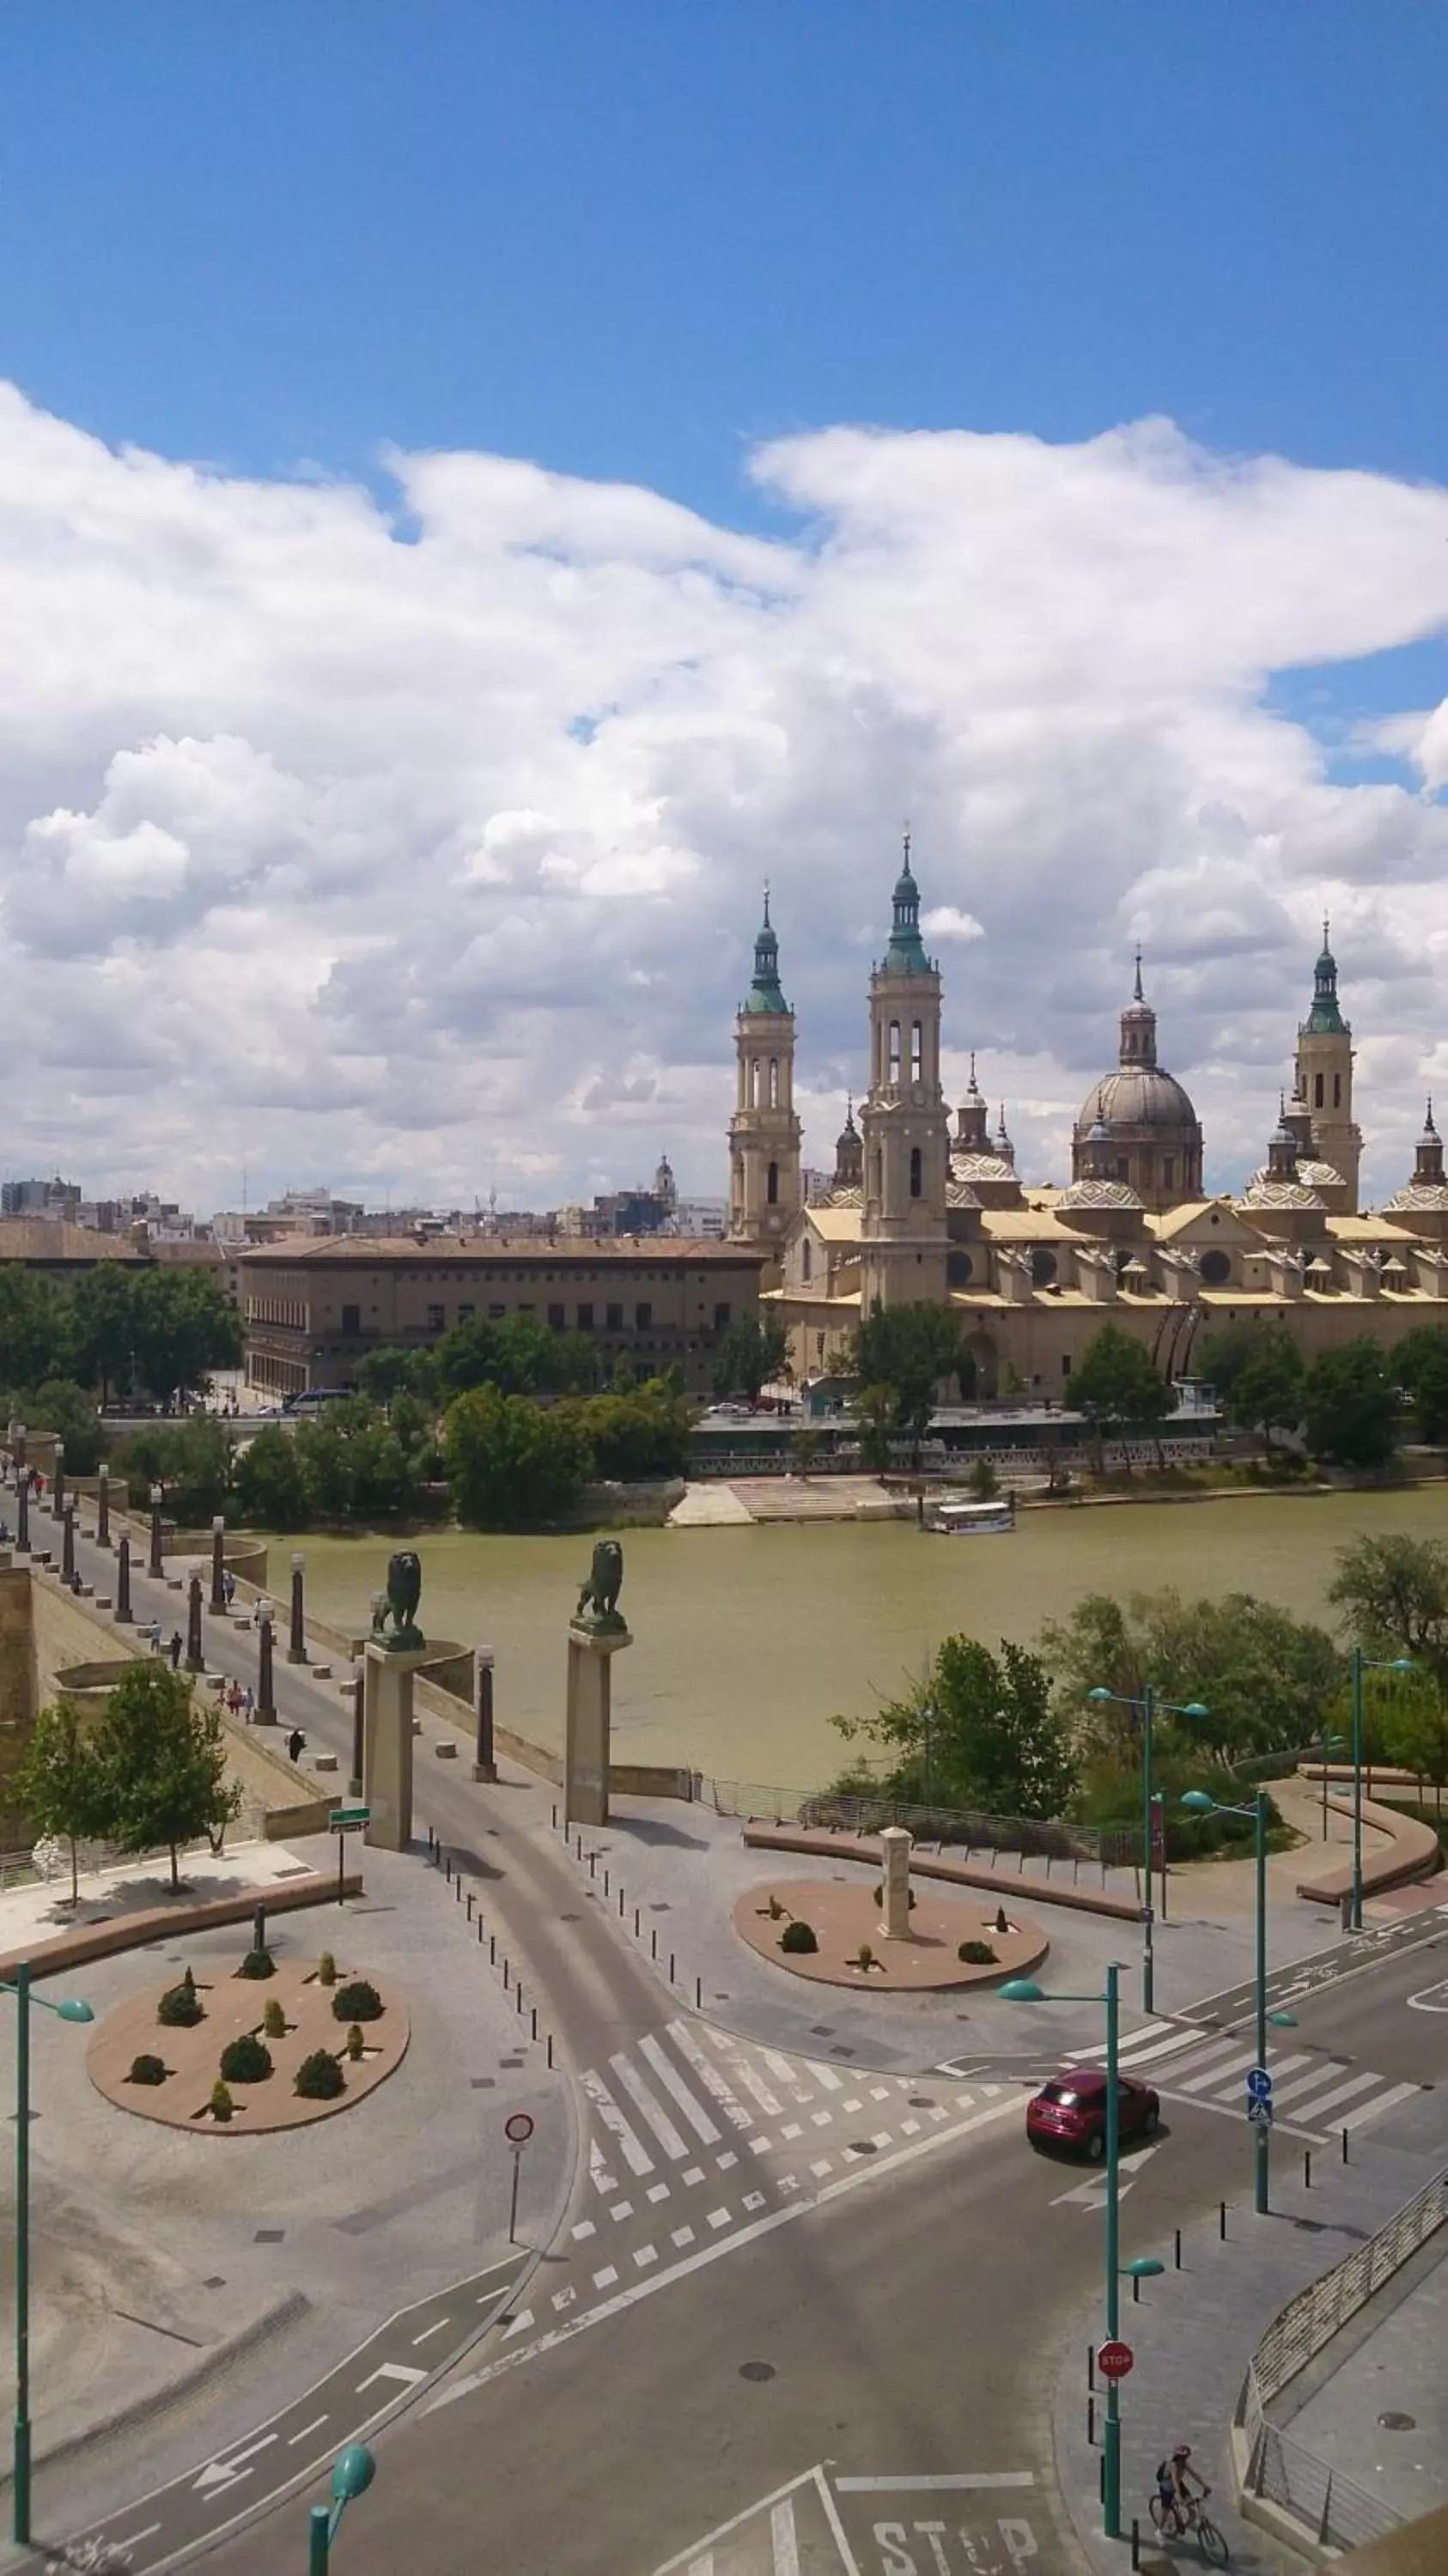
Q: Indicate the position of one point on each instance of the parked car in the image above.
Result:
(1070, 2112)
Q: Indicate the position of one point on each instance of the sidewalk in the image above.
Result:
(1386, 2362)
(1195, 2330)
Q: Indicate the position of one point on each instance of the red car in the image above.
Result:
(1070, 2111)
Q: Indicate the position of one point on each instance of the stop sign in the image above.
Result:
(1114, 2360)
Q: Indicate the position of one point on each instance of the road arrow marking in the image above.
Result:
(406, 2375)
(220, 2474)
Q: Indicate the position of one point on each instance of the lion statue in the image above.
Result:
(404, 1591)
(598, 1599)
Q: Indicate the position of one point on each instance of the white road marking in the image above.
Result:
(429, 2331)
(782, 2539)
(598, 2173)
(673, 2084)
(621, 2209)
(791, 2129)
(315, 2426)
(1343, 2093)
(1384, 2102)
(1158, 2048)
(951, 2483)
(821, 2119)
(584, 2228)
(718, 2218)
(754, 2200)
(826, 2076)
(646, 2255)
(1427, 1999)
(133, 2539)
(218, 2475)
(694, 2174)
(880, 2140)
(748, 2076)
(824, 2166)
(658, 2191)
(1298, 2087)
(727, 2161)
(909, 2128)
(654, 2112)
(682, 2236)
(709, 2076)
(564, 2298)
(518, 2326)
(637, 2158)
(605, 2279)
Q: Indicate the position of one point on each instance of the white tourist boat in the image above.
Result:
(961, 1516)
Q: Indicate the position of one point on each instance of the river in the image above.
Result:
(748, 1640)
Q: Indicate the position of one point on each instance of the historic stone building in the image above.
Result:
(914, 1212)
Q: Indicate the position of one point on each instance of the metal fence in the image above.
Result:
(836, 1811)
(1282, 2470)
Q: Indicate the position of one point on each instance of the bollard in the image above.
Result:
(480, 1931)
(1136, 2289)
(470, 1905)
(592, 1869)
(1344, 2146)
(698, 1994)
(534, 2009)
(620, 1904)
(1090, 2365)
(653, 1942)
(1135, 2542)
(458, 1888)
(447, 1867)
(1222, 2221)
(1177, 2256)
(1307, 2168)
(636, 1922)
(605, 1883)
(671, 1967)
(505, 1976)
(555, 1819)
(578, 1847)
(1091, 2420)
(492, 1949)
(550, 2048)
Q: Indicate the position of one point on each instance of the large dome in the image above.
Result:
(1137, 1096)
(1137, 1125)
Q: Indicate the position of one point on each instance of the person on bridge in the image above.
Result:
(296, 1744)
(177, 1642)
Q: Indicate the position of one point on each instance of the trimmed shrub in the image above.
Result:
(274, 2020)
(880, 1895)
(258, 1963)
(976, 1954)
(775, 1910)
(320, 2078)
(1001, 1924)
(864, 1957)
(326, 1969)
(147, 2070)
(355, 2041)
(180, 2008)
(357, 2002)
(798, 1936)
(246, 2060)
(222, 2104)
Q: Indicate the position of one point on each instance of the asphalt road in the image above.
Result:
(1392, 2015)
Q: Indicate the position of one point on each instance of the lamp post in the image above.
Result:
(1149, 1704)
(1024, 1990)
(266, 1697)
(353, 2471)
(1330, 1744)
(218, 1564)
(57, 1482)
(72, 2009)
(1202, 1803)
(156, 1566)
(103, 1505)
(297, 1641)
(1359, 1663)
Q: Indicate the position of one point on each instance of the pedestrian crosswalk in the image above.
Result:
(1312, 2094)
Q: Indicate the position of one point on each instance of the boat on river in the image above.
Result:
(962, 1516)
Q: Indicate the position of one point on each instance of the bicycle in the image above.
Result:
(1184, 2515)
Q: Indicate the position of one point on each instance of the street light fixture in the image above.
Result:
(1202, 1803)
(1359, 1663)
(353, 2471)
(72, 2008)
(1024, 1990)
(1149, 1705)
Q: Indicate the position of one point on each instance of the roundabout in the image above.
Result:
(234, 2069)
(852, 1947)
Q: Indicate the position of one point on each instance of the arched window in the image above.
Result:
(774, 1082)
(874, 1189)
(1317, 1091)
(1043, 1268)
(806, 1263)
(771, 1188)
(894, 1050)
(754, 1082)
(1337, 1091)
(1216, 1267)
(915, 1171)
(917, 1051)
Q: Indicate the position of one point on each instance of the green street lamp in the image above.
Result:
(73, 2009)
(1024, 1990)
(1202, 1803)
(353, 2471)
(1149, 1705)
(1359, 1663)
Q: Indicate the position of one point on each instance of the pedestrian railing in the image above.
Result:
(1335, 2509)
(841, 1811)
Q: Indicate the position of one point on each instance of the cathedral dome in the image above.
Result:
(1137, 1124)
(1138, 1096)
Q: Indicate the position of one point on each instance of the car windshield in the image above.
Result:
(1062, 2093)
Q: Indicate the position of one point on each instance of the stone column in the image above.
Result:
(67, 1543)
(17, 1444)
(218, 1563)
(103, 1506)
(57, 1482)
(266, 1691)
(387, 1744)
(195, 1652)
(484, 1761)
(123, 1583)
(157, 1565)
(359, 1700)
(22, 1514)
(590, 1720)
(297, 1647)
(895, 1849)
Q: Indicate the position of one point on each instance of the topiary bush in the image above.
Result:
(357, 2002)
(355, 2041)
(864, 1957)
(880, 1895)
(258, 1963)
(246, 2060)
(148, 2070)
(222, 2104)
(326, 1969)
(798, 1936)
(274, 2020)
(976, 1954)
(180, 2008)
(320, 2078)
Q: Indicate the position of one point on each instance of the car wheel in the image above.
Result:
(1096, 2146)
(1152, 2122)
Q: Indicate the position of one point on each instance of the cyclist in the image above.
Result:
(1175, 2481)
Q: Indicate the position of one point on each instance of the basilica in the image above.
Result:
(918, 1210)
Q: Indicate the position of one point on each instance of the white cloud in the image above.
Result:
(427, 854)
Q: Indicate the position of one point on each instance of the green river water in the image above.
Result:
(748, 1640)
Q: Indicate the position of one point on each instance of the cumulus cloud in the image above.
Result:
(420, 848)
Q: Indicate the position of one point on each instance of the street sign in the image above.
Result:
(350, 1820)
(1114, 2360)
(517, 2128)
(1260, 2114)
(1259, 2084)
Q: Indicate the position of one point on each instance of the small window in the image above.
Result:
(615, 1319)
(436, 1319)
(894, 1050)
(917, 1052)
(806, 1259)
(1216, 1267)
(1065, 1364)
(721, 1311)
(774, 1082)
(1043, 1268)
(557, 1320)
(643, 1316)
(351, 1319)
(1317, 1091)
(1337, 1091)
(958, 1267)
(466, 1314)
(585, 1319)
(772, 1185)
(496, 1314)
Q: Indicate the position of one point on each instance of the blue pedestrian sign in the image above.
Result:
(1260, 2114)
(1259, 2084)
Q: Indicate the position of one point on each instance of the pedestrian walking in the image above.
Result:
(154, 1633)
(248, 1703)
(233, 1699)
(296, 1743)
(177, 1642)
(228, 1587)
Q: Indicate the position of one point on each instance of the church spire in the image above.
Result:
(1325, 1018)
(765, 993)
(905, 954)
(1138, 1027)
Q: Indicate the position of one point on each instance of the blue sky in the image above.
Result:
(1128, 687)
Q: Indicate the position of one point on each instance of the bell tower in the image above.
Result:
(904, 1121)
(1324, 1077)
(764, 1133)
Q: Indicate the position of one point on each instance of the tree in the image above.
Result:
(356, 1465)
(1350, 1413)
(1115, 1387)
(517, 1355)
(33, 1327)
(1265, 1678)
(1394, 1592)
(979, 1731)
(804, 1450)
(102, 1306)
(1420, 1364)
(751, 1350)
(642, 1434)
(163, 1760)
(877, 1413)
(510, 1464)
(914, 1349)
(60, 1406)
(62, 1786)
(269, 1483)
(383, 1375)
(184, 1325)
(1261, 1385)
(190, 1461)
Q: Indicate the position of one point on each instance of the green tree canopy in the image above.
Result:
(163, 1758)
(645, 1433)
(189, 1460)
(60, 1406)
(751, 1350)
(915, 1350)
(1259, 1376)
(1419, 1362)
(34, 1328)
(1414, 1727)
(1264, 1677)
(184, 1324)
(979, 1731)
(1393, 1593)
(510, 1463)
(1351, 1407)
(1116, 1386)
(269, 1483)
(517, 1355)
(102, 1305)
(356, 1465)
(62, 1786)
(384, 1374)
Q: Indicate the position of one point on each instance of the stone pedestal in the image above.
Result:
(387, 1745)
(895, 1849)
(590, 1709)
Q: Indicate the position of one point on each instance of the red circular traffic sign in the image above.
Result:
(518, 2129)
(1114, 2360)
